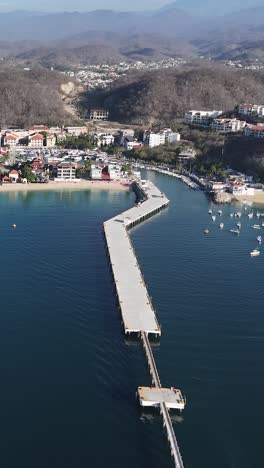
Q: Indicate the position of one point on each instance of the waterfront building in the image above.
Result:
(13, 176)
(66, 171)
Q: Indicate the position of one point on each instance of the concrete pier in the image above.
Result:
(136, 308)
(135, 304)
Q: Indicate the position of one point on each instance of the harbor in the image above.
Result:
(137, 311)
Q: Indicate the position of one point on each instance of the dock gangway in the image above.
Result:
(167, 424)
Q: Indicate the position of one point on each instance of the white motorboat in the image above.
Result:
(239, 225)
(221, 225)
(259, 239)
(258, 214)
(210, 212)
(213, 218)
(239, 214)
(250, 215)
(255, 253)
(231, 215)
(220, 212)
(256, 226)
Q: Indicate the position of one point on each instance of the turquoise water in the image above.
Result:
(68, 376)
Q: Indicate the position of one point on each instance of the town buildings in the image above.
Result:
(163, 136)
(227, 125)
(256, 131)
(66, 171)
(201, 118)
(98, 114)
(251, 109)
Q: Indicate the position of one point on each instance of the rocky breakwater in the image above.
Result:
(222, 197)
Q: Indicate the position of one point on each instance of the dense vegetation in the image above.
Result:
(165, 95)
(31, 96)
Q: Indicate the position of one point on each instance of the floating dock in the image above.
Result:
(136, 308)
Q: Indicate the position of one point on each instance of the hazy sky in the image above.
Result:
(82, 5)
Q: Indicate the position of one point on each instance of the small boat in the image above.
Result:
(262, 225)
(235, 231)
(239, 225)
(238, 214)
(231, 215)
(220, 212)
(210, 212)
(213, 218)
(250, 215)
(206, 231)
(221, 225)
(255, 253)
(258, 214)
(14, 226)
(259, 239)
(256, 226)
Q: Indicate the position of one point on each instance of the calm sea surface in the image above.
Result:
(69, 377)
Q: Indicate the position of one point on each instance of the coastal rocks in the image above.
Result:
(222, 197)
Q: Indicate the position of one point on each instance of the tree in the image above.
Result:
(26, 173)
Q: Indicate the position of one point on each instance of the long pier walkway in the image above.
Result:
(136, 308)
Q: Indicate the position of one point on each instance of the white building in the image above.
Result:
(201, 118)
(114, 171)
(76, 131)
(66, 171)
(36, 141)
(227, 125)
(96, 172)
(242, 189)
(10, 140)
(104, 139)
(98, 114)
(251, 109)
(156, 139)
(164, 136)
(256, 131)
(50, 140)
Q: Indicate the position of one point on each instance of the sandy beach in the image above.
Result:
(79, 185)
(257, 198)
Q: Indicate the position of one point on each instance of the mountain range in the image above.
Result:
(184, 27)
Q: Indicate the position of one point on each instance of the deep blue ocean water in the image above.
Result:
(69, 377)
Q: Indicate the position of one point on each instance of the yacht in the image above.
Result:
(255, 253)
(250, 215)
(221, 225)
(210, 212)
(258, 214)
(213, 218)
(259, 239)
(220, 212)
(256, 226)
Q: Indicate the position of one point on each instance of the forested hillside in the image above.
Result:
(31, 96)
(165, 95)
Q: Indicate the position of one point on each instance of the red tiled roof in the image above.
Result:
(38, 136)
(10, 137)
(13, 172)
(259, 128)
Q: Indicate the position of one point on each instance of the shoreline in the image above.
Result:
(83, 185)
(257, 198)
